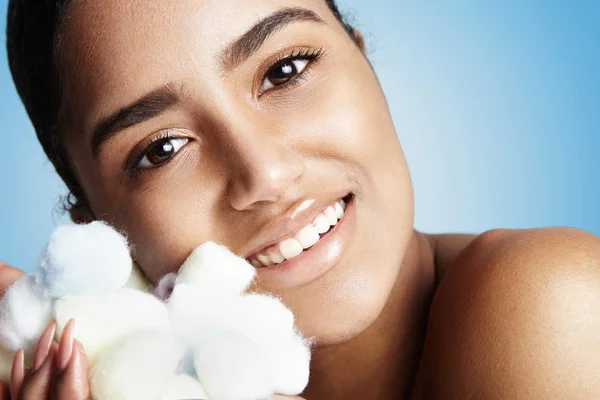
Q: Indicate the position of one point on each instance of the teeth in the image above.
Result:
(308, 236)
(290, 248)
(339, 211)
(265, 260)
(276, 257)
(321, 224)
(331, 216)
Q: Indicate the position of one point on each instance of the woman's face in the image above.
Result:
(240, 122)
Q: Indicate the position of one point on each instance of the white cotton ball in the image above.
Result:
(260, 317)
(84, 260)
(6, 359)
(263, 318)
(24, 314)
(138, 366)
(100, 320)
(289, 364)
(231, 367)
(137, 280)
(215, 269)
(183, 387)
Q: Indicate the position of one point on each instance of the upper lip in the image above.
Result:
(283, 226)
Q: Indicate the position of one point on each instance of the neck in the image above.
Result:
(381, 362)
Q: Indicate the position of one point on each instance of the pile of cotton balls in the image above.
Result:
(209, 340)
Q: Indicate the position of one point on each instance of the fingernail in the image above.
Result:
(65, 348)
(17, 374)
(43, 346)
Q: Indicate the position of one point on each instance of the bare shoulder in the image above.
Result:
(517, 315)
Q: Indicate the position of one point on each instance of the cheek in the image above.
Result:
(166, 223)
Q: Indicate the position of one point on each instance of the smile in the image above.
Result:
(303, 240)
(310, 252)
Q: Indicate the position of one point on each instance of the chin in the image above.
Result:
(345, 303)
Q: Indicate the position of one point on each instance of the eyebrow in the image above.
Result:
(243, 47)
(161, 99)
(144, 109)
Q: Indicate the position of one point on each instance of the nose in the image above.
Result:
(263, 171)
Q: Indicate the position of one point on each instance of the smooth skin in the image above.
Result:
(505, 314)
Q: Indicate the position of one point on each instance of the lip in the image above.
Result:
(318, 259)
(289, 224)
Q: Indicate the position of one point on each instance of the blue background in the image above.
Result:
(497, 106)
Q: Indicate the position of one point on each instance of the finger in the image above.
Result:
(38, 383)
(17, 374)
(65, 349)
(4, 391)
(8, 276)
(43, 345)
(72, 383)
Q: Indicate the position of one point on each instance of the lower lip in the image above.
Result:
(317, 260)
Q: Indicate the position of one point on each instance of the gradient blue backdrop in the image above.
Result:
(497, 106)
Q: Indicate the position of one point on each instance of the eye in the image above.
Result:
(161, 152)
(283, 72)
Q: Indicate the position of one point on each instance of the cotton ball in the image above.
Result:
(140, 366)
(102, 319)
(24, 314)
(6, 360)
(183, 387)
(137, 280)
(289, 363)
(261, 318)
(231, 367)
(84, 260)
(215, 269)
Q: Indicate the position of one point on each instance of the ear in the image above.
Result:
(359, 39)
(80, 215)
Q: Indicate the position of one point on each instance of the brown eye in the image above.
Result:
(283, 72)
(162, 152)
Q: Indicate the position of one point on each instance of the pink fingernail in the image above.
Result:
(65, 348)
(17, 374)
(43, 346)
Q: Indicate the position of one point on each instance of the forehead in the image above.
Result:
(119, 47)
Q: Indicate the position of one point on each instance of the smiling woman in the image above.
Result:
(261, 125)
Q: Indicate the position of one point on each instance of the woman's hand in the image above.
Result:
(59, 370)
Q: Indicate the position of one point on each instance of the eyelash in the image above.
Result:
(311, 55)
(133, 161)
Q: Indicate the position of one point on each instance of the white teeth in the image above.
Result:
(290, 248)
(265, 260)
(308, 236)
(276, 258)
(321, 224)
(331, 216)
(339, 211)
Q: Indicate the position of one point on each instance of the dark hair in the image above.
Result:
(32, 43)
